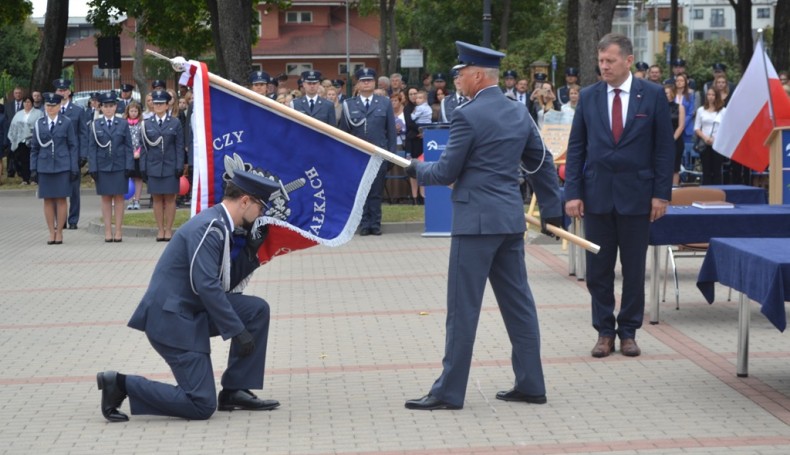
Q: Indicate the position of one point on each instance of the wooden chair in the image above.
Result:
(685, 196)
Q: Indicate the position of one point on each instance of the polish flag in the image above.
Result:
(747, 123)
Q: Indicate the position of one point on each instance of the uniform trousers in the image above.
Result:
(195, 396)
(630, 235)
(371, 211)
(74, 201)
(500, 259)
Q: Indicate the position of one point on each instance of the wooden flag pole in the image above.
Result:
(565, 235)
(293, 114)
(178, 65)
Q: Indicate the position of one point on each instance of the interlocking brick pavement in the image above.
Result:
(357, 330)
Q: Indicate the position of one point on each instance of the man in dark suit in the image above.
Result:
(490, 137)
(311, 104)
(370, 117)
(79, 121)
(191, 298)
(619, 178)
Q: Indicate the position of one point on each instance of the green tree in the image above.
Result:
(19, 43)
(700, 55)
(15, 11)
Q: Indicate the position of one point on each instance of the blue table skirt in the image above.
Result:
(757, 267)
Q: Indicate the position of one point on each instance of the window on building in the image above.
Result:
(105, 73)
(763, 13)
(296, 69)
(298, 17)
(699, 36)
(698, 14)
(717, 17)
(259, 30)
(341, 68)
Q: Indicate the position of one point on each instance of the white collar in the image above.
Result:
(624, 87)
(232, 226)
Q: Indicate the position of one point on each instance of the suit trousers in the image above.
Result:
(371, 211)
(500, 259)
(630, 235)
(195, 397)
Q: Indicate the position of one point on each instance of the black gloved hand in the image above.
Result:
(245, 343)
(552, 220)
(411, 169)
(83, 162)
(34, 176)
(95, 176)
(75, 176)
(179, 173)
(253, 245)
(144, 176)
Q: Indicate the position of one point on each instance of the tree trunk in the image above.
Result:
(503, 26)
(595, 21)
(48, 65)
(572, 33)
(138, 71)
(394, 49)
(743, 30)
(384, 27)
(213, 11)
(234, 46)
(781, 44)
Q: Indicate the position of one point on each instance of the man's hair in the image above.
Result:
(232, 191)
(396, 76)
(384, 79)
(491, 73)
(626, 48)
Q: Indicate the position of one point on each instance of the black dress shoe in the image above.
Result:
(515, 395)
(72, 226)
(364, 231)
(429, 403)
(244, 400)
(375, 231)
(111, 396)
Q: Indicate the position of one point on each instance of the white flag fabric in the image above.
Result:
(747, 123)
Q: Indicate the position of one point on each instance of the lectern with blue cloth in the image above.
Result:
(438, 206)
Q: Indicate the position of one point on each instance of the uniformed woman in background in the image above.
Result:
(110, 162)
(162, 162)
(54, 157)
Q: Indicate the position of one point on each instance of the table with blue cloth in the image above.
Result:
(687, 224)
(758, 268)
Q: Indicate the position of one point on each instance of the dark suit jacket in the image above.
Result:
(186, 303)
(490, 136)
(626, 175)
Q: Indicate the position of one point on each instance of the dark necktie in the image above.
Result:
(312, 105)
(617, 116)
(461, 100)
(63, 110)
(18, 106)
(367, 105)
(51, 125)
(160, 123)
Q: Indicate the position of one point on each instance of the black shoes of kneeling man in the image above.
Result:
(113, 394)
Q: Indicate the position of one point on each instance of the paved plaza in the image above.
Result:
(356, 331)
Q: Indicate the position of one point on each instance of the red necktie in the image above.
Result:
(617, 116)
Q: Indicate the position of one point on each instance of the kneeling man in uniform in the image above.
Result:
(189, 300)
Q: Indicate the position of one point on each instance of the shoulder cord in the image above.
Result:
(40, 142)
(96, 138)
(148, 141)
(543, 158)
(225, 272)
(444, 114)
(351, 122)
